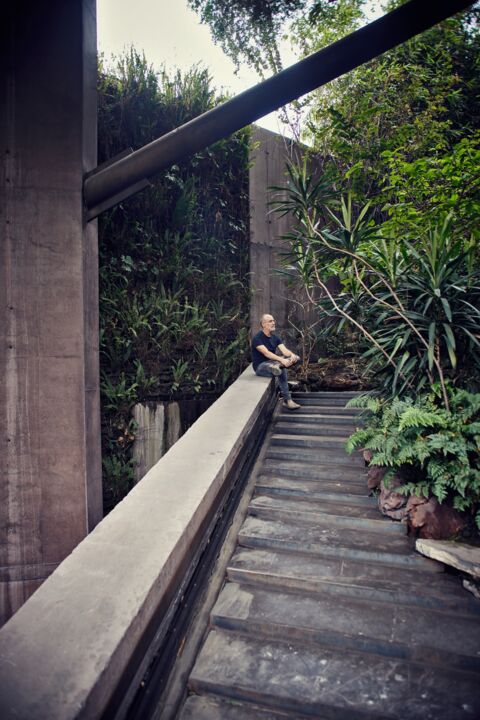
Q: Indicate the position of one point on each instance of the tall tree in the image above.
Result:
(249, 30)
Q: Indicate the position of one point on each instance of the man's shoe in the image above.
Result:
(291, 405)
(275, 369)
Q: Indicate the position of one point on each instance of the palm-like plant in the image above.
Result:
(415, 301)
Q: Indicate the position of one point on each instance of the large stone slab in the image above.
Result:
(463, 557)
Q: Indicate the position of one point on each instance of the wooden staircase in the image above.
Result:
(327, 611)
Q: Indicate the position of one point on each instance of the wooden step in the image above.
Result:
(409, 583)
(332, 540)
(318, 409)
(328, 399)
(317, 680)
(385, 628)
(315, 490)
(324, 514)
(305, 454)
(343, 394)
(310, 440)
(301, 417)
(207, 707)
(314, 471)
(316, 429)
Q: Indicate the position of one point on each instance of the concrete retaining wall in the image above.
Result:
(270, 292)
(64, 653)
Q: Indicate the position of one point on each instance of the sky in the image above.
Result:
(171, 34)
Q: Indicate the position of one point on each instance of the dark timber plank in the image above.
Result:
(324, 514)
(327, 610)
(318, 680)
(405, 632)
(207, 707)
(314, 490)
(409, 584)
(319, 470)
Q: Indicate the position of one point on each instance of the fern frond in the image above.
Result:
(417, 417)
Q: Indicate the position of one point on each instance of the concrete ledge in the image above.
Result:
(64, 653)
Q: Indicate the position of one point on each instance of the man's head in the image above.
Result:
(268, 324)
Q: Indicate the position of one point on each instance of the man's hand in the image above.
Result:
(290, 360)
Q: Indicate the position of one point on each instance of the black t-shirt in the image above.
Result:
(271, 343)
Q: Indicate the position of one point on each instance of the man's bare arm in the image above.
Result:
(286, 360)
(288, 354)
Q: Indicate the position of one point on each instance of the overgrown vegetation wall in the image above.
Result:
(174, 260)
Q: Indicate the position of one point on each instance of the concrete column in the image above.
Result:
(50, 466)
(269, 289)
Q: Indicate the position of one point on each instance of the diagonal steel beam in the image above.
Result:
(108, 186)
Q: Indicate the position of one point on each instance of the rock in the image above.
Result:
(434, 521)
(459, 555)
(392, 503)
(375, 475)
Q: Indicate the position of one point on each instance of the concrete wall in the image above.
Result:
(65, 652)
(50, 470)
(269, 288)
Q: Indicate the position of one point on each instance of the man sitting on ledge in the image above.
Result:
(266, 362)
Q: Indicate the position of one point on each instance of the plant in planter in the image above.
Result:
(435, 451)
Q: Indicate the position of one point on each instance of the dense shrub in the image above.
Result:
(174, 259)
(435, 449)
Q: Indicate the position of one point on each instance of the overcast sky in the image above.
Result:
(170, 34)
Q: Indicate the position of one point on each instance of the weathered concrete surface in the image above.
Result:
(269, 288)
(270, 293)
(463, 557)
(65, 650)
(50, 467)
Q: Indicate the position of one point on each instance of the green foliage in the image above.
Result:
(416, 101)
(437, 448)
(250, 30)
(438, 183)
(414, 301)
(174, 259)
